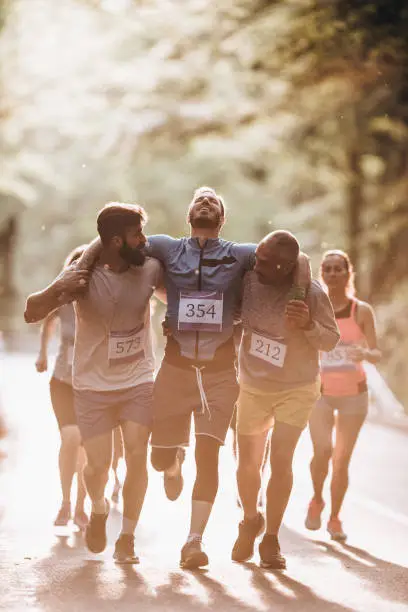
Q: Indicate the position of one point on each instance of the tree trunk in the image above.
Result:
(354, 209)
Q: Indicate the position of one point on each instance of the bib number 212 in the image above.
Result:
(269, 350)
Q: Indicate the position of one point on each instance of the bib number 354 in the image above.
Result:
(200, 311)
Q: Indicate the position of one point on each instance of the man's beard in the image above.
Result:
(198, 222)
(134, 257)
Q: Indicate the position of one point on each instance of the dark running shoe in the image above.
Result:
(173, 485)
(269, 551)
(125, 549)
(95, 533)
(249, 530)
(193, 556)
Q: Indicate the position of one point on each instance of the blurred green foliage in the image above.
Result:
(296, 111)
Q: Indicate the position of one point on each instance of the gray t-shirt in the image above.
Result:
(63, 362)
(273, 357)
(113, 343)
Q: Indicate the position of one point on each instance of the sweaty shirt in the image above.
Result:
(273, 357)
(113, 343)
(63, 362)
(216, 268)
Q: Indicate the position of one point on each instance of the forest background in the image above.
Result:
(296, 111)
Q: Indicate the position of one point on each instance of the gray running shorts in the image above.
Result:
(99, 412)
(177, 396)
(347, 404)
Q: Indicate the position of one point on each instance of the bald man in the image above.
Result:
(284, 328)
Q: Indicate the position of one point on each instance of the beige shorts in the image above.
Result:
(257, 410)
(176, 398)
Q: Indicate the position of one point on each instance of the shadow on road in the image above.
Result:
(279, 588)
(67, 580)
(376, 573)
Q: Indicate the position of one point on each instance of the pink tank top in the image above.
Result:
(341, 376)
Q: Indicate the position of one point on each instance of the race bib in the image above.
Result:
(201, 311)
(125, 347)
(337, 359)
(269, 350)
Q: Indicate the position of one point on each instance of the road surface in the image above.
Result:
(48, 570)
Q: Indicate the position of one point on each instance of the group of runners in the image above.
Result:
(301, 348)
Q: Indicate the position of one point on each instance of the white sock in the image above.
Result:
(99, 506)
(194, 536)
(128, 526)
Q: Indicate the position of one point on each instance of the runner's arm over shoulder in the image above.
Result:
(160, 245)
(303, 274)
(322, 331)
(159, 287)
(90, 255)
(366, 319)
(245, 254)
(157, 246)
(68, 285)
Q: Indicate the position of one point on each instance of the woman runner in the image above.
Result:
(71, 455)
(343, 405)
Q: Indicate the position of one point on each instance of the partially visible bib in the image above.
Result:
(337, 360)
(126, 346)
(341, 376)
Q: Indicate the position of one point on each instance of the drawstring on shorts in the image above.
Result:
(204, 402)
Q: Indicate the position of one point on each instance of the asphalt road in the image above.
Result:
(49, 570)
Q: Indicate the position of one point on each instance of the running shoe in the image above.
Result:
(81, 519)
(335, 528)
(270, 554)
(314, 515)
(249, 530)
(192, 555)
(63, 516)
(125, 549)
(95, 533)
(173, 485)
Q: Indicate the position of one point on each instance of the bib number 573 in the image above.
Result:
(125, 347)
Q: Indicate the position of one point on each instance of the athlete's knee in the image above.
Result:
(281, 459)
(163, 458)
(322, 456)
(281, 470)
(70, 437)
(341, 465)
(97, 469)
(136, 458)
(249, 460)
(97, 464)
(249, 465)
